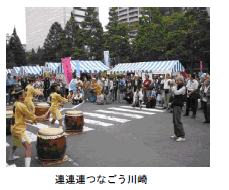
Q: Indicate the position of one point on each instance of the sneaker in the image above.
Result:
(173, 137)
(180, 139)
(185, 115)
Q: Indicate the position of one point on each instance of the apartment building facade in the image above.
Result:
(40, 19)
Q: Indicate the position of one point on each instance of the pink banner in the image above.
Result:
(67, 69)
(201, 66)
(186, 75)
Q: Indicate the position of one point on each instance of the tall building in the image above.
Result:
(40, 19)
(131, 14)
(128, 14)
(79, 13)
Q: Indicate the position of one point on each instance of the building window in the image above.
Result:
(123, 20)
(133, 13)
(132, 8)
(123, 16)
(122, 11)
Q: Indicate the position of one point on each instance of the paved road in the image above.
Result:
(117, 135)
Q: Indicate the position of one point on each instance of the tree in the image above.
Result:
(72, 40)
(117, 39)
(92, 32)
(52, 45)
(151, 38)
(197, 41)
(15, 50)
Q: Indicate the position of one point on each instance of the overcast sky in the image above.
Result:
(19, 21)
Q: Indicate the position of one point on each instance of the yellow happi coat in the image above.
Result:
(29, 97)
(19, 127)
(54, 109)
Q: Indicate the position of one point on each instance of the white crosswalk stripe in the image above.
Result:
(31, 136)
(133, 111)
(87, 129)
(40, 126)
(134, 116)
(110, 118)
(7, 144)
(94, 122)
(148, 109)
(13, 165)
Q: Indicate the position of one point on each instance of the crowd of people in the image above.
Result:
(167, 92)
(130, 88)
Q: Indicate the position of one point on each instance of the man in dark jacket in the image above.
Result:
(115, 85)
(46, 88)
(24, 82)
(177, 104)
(129, 96)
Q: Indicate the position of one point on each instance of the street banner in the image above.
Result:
(108, 72)
(186, 76)
(201, 67)
(67, 69)
(106, 59)
(78, 68)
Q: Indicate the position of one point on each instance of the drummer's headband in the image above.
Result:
(17, 92)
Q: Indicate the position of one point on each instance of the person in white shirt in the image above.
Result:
(166, 88)
(192, 88)
(78, 98)
(138, 97)
(110, 85)
(205, 94)
(179, 92)
(77, 83)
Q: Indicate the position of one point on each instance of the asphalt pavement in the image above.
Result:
(117, 135)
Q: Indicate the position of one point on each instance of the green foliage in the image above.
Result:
(15, 54)
(92, 33)
(52, 45)
(117, 39)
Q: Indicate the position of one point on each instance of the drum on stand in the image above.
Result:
(9, 121)
(41, 109)
(74, 121)
(51, 144)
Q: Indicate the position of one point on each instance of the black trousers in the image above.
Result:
(46, 93)
(115, 93)
(76, 102)
(206, 109)
(178, 125)
(128, 99)
(153, 102)
(192, 103)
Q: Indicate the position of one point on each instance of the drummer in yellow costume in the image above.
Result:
(29, 95)
(55, 99)
(18, 129)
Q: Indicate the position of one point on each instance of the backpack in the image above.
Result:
(122, 88)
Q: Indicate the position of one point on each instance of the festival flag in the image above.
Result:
(78, 68)
(67, 69)
(106, 59)
(201, 68)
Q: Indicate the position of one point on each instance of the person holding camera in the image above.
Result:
(178, 91)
